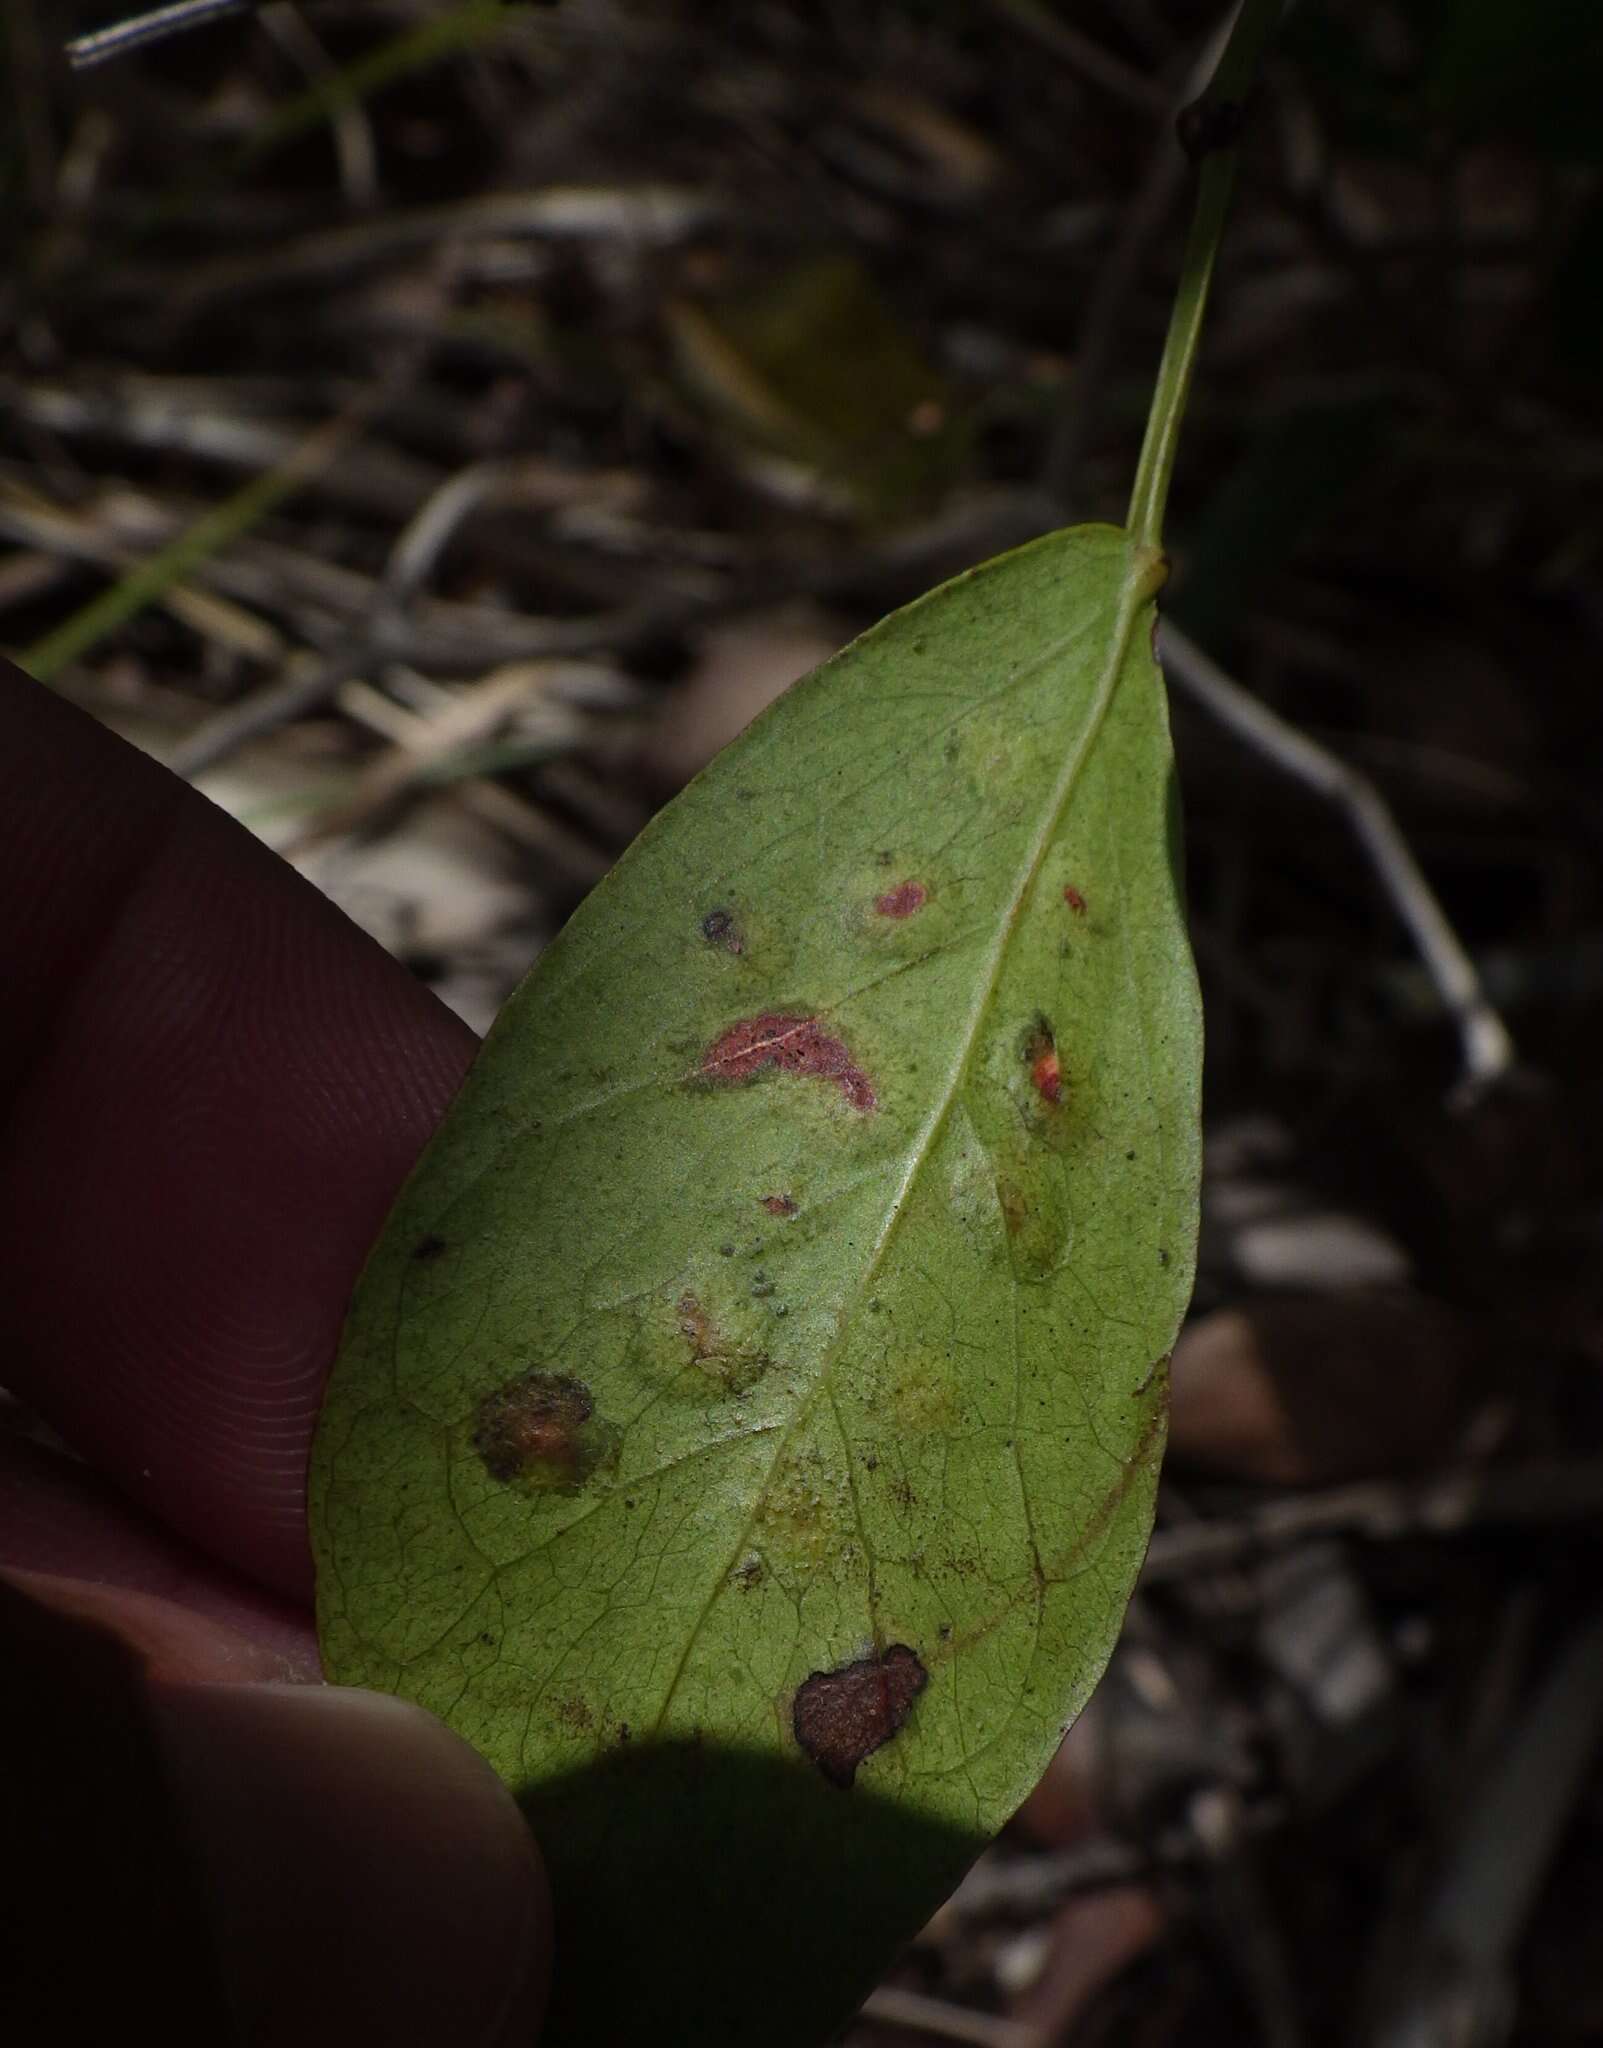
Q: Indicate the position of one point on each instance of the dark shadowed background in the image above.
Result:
(437, 429)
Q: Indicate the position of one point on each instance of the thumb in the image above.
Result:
(284, 1866)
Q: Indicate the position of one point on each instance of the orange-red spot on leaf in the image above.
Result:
(1074, 900)
(1041, 1052)
(779, 1205)
(903, 900)
(795, 1045)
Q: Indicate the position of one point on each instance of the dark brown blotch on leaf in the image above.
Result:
(427, 1248)
(779, 1205)
(902, 901)
(795, 1045)
(843, 1716)
(541, 1430)
(718, 928)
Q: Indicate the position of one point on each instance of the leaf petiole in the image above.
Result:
(1208, 130)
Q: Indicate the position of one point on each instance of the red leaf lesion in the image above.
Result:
(1073, 898)
(779, 1205)
(795, 1045)
(902, 901)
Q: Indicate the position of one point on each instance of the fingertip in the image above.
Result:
(371, 1878)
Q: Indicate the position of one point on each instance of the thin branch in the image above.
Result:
(354, 146)
(1488, 1050)
(139, 31)
(1381, 1511)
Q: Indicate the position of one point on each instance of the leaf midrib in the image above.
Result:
(1135, 587)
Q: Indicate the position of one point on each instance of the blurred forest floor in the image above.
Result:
(437, 429)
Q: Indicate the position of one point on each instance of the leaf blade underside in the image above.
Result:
(786, 1298)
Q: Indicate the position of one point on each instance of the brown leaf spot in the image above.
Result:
(903, 900)
(841, 1717)
(737, 1367)
(795, 1045)
(718, 928)
(1074, 900)
(541, 1430)
(694, 1326)
(1015, 1210)
(779, 1205)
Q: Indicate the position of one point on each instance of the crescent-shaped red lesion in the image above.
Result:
(793, 1045)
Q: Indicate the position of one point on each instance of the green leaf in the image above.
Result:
(747, 1426)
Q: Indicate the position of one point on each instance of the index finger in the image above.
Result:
(212, 1086)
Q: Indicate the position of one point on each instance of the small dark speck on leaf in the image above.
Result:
(718, 928)
(1129, 1155)
(429, 1247)
(946, 1631)
(841, 1717)
(1163, 1256)
(905, 900)
(726, 1251)
(488, 1640)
